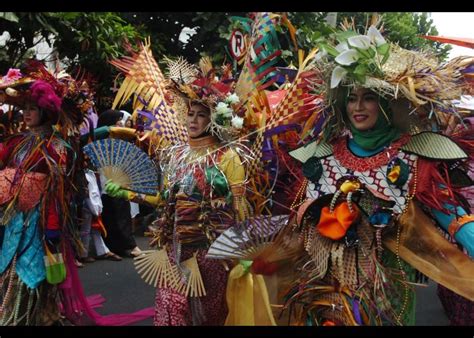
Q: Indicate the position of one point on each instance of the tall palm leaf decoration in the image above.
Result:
(144, 79)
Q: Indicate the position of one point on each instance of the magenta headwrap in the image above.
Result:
(44, 96)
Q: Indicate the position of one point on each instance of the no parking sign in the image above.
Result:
(237, 44)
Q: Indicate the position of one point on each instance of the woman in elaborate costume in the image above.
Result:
(377, 178)
(209, 178)
(202, 195)
(36, 217)
(40, 282)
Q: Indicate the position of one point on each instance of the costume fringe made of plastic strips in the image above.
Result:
(307, 300)
(59, 183)
(13, 300)
(182, 158)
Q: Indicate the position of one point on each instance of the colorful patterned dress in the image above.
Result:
(32, 183)
(354, 211)
(203, 197)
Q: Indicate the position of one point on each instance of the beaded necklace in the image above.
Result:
(350, 161)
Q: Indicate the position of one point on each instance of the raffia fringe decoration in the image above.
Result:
(350, 267)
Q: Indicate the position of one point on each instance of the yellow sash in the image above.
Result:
(247, 299)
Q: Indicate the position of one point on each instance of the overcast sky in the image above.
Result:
(456, 25)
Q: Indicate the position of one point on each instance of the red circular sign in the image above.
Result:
(237, 44)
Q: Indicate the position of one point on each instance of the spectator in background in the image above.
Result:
(91, 215)
(116, 214)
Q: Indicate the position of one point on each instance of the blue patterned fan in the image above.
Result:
(125, 164)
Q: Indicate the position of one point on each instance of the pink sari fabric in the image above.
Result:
(172, 308)
(79, 310)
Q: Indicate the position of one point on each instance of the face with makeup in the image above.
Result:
(197, 119)
(32, 116)
(362, 108)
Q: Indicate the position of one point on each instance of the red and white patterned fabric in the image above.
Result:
(373, 175)
(172, 308)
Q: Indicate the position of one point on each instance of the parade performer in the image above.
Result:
(36, 187)
(377, 178)
(40, 282)
(202, 195)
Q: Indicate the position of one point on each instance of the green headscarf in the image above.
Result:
(383, 132)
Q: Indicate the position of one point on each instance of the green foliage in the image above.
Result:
(403, 28)
(164, 28)
(85, 40)
(10, 16)
(90, 39)
(407, 28)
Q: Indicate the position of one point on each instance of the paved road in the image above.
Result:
(125, 291)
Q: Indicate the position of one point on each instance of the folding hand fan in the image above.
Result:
(125, 164)
(155, 268)
(259, 237)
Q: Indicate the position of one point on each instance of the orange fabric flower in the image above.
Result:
(335, 225)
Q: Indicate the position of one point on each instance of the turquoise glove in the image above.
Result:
(114, 190)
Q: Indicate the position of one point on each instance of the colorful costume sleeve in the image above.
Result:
(106, 131)
(145, 199)
(435, 191)
(459, 224)
(234, 171)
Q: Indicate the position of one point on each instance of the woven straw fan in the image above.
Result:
(144, 79)
(195, 285)
(155, 268)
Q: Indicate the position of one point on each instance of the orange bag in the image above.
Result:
(335, 225)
